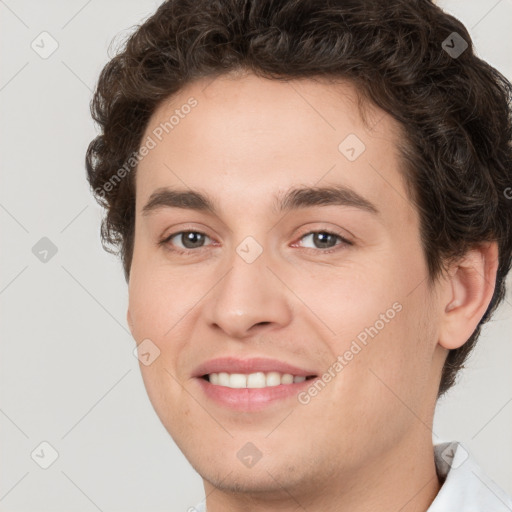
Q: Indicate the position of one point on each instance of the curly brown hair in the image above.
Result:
(455, 109)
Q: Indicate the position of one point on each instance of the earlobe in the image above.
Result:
(470, 287)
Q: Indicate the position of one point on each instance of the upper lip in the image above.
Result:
(253, 365)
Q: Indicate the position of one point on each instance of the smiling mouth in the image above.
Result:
(254, 380)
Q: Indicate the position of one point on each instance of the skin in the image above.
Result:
(365, 441)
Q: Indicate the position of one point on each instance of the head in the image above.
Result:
(235, 106)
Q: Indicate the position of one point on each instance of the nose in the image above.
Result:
(249, 298)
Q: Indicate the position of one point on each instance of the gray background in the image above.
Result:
(68, 375)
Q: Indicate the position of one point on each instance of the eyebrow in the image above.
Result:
(293, 199)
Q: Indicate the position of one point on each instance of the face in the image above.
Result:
(332, 283)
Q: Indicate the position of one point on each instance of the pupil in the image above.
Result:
(188, 239)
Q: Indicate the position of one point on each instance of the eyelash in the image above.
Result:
(189, 252)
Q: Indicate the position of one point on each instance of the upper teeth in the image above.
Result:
(253, 380)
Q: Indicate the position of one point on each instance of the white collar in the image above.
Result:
(465, 488)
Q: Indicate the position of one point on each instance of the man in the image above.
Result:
(310, 201)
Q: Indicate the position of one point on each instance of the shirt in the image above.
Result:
(464, 485)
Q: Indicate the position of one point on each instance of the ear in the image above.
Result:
(468, 292)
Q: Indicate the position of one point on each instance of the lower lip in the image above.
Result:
(251, 399)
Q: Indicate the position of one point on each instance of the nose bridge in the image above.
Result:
(248, 293)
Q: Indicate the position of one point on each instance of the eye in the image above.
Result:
(189, 240)
(325, 240)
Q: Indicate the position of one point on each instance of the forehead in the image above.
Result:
(246, 139)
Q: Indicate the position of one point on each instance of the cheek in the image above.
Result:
(394, 372)
(351, 302)
(383, 382)
(382, 337)
(159, 299)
